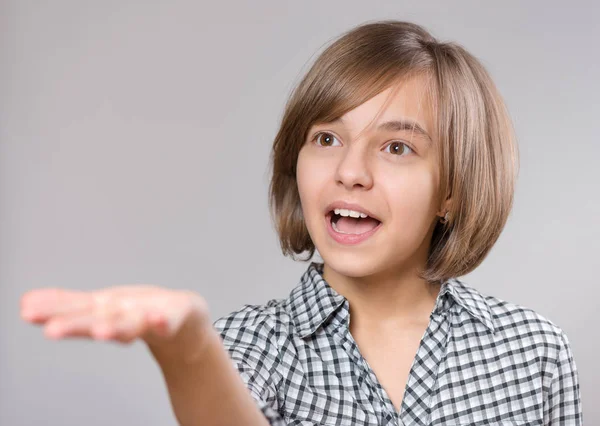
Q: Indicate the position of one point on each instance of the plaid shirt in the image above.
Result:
(481, 361)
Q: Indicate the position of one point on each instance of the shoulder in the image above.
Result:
(512, 316)
(523, 327)
(261, 321)
(514, 326)
(519, 333)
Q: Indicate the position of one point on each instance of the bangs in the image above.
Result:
(344, 87)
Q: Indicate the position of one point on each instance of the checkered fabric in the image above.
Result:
(481, 361)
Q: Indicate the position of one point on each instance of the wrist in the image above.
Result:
(188, 345)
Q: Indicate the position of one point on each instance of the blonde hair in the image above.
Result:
(478, 155)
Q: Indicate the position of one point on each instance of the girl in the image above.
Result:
(396, 160)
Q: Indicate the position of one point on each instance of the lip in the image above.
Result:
(349, 206)
(348, 239)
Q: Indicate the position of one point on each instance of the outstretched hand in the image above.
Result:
(121, 313)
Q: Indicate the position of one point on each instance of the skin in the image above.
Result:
(121, 313)
(204, 386)
(354, 162)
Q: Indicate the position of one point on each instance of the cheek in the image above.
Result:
(311, 177)
(303, 178)
(306, 187)
(411, 199)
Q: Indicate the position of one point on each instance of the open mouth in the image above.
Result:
(345, 222)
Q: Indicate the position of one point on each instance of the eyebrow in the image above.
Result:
(397, 126)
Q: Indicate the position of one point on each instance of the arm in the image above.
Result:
(206, 389)
(563, 404)
(204, 386)
(249, 336)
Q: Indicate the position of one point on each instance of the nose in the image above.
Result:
(353, 170)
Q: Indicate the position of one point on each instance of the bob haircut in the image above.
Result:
(474, 136)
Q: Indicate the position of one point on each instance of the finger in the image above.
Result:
(73, 326)
(157, 313)
(128, 322)
(122, 320)
(130, 325)
(93, 323)
(109, 313)
(38, 306)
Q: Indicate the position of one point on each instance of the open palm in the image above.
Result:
(120, 313)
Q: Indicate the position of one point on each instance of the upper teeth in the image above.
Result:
(351, 213)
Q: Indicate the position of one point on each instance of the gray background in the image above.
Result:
(134, 143)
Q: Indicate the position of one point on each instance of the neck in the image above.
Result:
(388, 298)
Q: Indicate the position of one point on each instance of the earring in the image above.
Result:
(445, 218)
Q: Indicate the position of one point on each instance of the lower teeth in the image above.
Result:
(333, 225)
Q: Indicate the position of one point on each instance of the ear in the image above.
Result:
(446, 207)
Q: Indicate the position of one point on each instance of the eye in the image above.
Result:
(396, 148)
(324, 139)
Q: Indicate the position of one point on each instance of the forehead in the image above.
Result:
(406, 102)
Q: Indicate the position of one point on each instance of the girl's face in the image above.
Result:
(389, 172)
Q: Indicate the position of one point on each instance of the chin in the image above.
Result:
(353, 265)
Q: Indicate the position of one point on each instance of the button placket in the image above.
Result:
(423, 373)
(370, 384)
(367, 381)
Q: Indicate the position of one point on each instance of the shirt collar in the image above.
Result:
(313, 300)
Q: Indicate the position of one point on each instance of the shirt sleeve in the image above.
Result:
(249, 338)
(563, 404)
